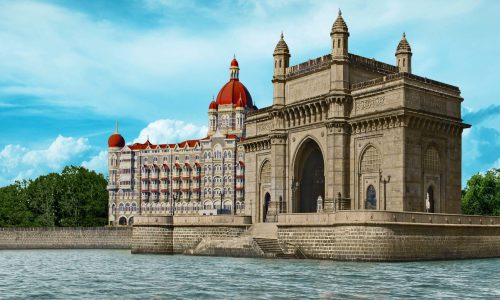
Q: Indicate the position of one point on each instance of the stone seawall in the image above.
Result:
(66, 238)
(188, 237)
(152, 239)
(393, 242)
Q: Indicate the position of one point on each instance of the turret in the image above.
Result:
(403, 55)
(340, 38)
(281, 62)
(212, 117)
(340, 56)
(115, 143)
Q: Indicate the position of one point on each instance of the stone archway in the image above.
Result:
(309, 174)
(122, 220)
(264, 192)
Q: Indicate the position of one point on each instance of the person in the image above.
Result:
(427, 203)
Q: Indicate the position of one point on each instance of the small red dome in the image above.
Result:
(212, 105)
(234, 63)
(116, 140)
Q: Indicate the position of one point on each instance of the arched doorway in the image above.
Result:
(267, 201)
(131, 221)
(122, 221)
(429, 200)
(310, 175)
(264, 203)
(371, 198)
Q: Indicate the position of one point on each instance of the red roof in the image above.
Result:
(188, 165)
(231, 136)
(116, 140)
(197, 165)
(165, 166)
(139, 146)
(242, 163)
(232, 91)
(178, 166)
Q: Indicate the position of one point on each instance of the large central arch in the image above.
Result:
(309, 177)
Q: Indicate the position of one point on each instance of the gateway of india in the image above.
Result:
(356, 159)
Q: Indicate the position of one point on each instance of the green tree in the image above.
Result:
(76, 197)
(482, 194)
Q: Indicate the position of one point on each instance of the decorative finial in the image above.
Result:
(147, 138)
(234, 55)
(340, 12)
(404, 34)
(282, 34)
(116, 127)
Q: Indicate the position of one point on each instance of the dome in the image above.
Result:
(116, 140)
(339, 26)
(234, 63)
(403, 46)
(240, 103)
(233, 90)
(212, 105)
(281, 47)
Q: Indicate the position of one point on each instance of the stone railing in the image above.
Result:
(396, 76)
(370, 216)
(373, 64)
(309, 66)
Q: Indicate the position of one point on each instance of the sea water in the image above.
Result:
(117, 274)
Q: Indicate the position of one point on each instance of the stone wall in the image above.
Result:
(152, 239)
(188, 237)
(65, 238)
(390, 236)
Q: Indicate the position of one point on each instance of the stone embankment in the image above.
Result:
(66, 238)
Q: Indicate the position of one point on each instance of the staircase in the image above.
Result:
(265, 236)
(272, 248)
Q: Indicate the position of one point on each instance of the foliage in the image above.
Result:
(482, 194)
(76, 197)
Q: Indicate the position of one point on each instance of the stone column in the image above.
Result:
(338, 162)
(278, 173)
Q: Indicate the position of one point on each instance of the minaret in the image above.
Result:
(281, 62)
(340, 54)
(403, 55)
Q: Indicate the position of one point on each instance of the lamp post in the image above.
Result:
(385, 181)
(221, 196)
(174, 198)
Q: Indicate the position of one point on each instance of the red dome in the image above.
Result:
(234, 63)
(213, 105)
(116, 140)
(231, 92)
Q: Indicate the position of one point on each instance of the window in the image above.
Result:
(370, 161)
(431, 160)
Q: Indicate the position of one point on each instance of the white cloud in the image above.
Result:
(18, 162)
(98, 163)
(170, 131)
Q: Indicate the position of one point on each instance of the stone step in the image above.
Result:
(269, 245)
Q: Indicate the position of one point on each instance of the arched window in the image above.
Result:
(370, 162)
(134, 207)
(431, 159)
(371, 198)
(121, 207)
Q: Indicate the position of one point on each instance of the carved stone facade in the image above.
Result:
(383, 138)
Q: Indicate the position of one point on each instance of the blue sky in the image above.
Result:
(69, 69)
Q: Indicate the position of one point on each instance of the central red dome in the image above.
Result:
(233, 90)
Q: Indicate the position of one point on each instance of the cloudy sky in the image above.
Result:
(69, 69)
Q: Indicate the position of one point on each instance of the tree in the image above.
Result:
(482, 194)
(76, 197)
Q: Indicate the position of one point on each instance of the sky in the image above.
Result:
(70, 69)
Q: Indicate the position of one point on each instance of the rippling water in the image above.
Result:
(104, 274)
